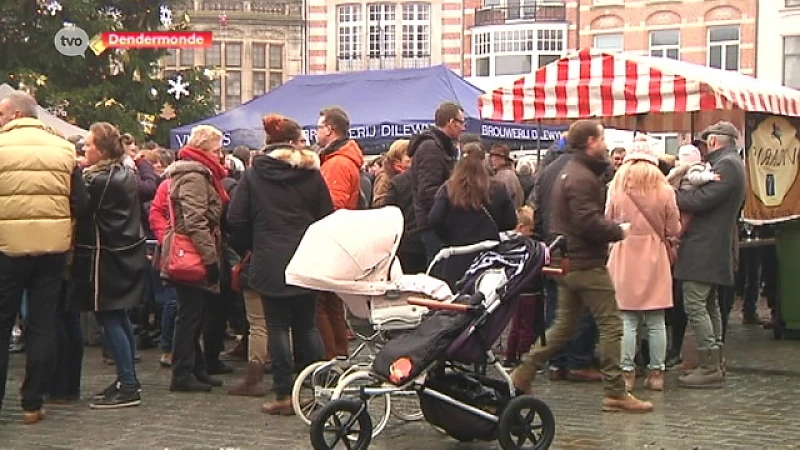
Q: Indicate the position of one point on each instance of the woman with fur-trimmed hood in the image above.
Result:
(276, 201)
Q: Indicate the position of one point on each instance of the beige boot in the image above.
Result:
(626, 403)
(708, 375)
(630, 380)
(654, 380)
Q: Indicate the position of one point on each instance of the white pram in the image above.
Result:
(353, 254)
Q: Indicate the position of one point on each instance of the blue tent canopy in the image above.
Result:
(383, 105)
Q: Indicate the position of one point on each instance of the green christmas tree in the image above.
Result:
(117, 86)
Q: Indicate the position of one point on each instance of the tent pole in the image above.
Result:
(692, 125)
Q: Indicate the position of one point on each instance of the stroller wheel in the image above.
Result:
(341, 424)
(379, 407)
(526, 423)
(313, 388)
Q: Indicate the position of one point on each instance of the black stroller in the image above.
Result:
(445, 360)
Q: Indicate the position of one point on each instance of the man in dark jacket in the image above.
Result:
(575, 362)
(705, 257)
(578, 214)
(434, 152)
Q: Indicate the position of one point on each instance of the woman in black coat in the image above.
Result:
(276, 201)
(468, 209)
(110, 265)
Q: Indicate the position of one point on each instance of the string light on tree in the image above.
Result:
(53, 7)
(178, 87)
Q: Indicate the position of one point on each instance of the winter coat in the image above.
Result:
(706, 251)
(457, 226)
(341, 168)
(508, 178)
(381, 184)
(159, 212)
(434, 155)
(578, 202)
(197, 213)
(109, 263)
(276, 201)
(399, 194)
(542, 195)
(527, 182)
(639, 265)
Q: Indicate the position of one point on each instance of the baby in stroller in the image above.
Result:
(444, 359)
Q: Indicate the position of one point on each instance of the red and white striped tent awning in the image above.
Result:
(636, 92)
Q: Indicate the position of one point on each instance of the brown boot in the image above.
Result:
(586, 374)
(630, 379)
(654, 380)
(626, 403)
(238, 353)
(253, 383)
(708, 375)
(281, 406)
(32, 417)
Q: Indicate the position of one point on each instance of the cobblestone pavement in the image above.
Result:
(758, 409)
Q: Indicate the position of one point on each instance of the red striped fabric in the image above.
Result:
(598, 84)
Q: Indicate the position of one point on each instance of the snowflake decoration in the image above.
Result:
(53, 7)
(165, 16)
(177, 87)
(112, 13)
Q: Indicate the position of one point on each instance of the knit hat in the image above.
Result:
(641, 151)
(689, 154)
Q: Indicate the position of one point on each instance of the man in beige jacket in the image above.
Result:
(41, 190)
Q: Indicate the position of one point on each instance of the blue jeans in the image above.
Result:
(65, 383)
(579, 352)
(118, 338)
(167, 300)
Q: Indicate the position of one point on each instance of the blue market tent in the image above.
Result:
(383, 105)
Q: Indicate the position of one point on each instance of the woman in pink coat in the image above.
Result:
(639, 265)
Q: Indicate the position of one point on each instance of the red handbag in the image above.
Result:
(184, 263)
(236, 273)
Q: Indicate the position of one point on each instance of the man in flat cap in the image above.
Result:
(705, 256)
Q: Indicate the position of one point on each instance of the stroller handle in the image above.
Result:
(559, 243)
(462, 250)
(436, 305)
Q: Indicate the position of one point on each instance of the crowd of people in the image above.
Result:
(650, 244)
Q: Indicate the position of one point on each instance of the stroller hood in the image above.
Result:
(349, 252)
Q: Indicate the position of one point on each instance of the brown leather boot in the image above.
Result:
(32, 417)
(253, 383)
(281, 406)
(654, 380)
(630, 380)
(626, 403)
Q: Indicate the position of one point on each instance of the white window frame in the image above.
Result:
(416, 34)
(794, 55)
(724, 45)
(668, 138)
(532, 41)
(621, 37)
(349, 24)
(382, 46)
(663, 49)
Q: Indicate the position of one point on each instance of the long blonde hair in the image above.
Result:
(637, 177)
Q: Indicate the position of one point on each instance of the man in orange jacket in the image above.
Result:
(341, 159)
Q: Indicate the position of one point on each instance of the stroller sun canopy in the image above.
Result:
(350, 252)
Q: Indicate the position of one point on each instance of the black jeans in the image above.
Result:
(41, 277)
(676, 318)
(297, 314)
(215, 321)
(65, 383)
(187, 355)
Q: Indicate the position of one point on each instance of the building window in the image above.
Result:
(517, 51)
(259, 83)
(233, 54)
(259, 56)
(381, 26)
(792, 3)
(416, 34)
(276, 57)
(791, 61)
(665, 44)
(214, 54)
(187, 57)
(275, 80)
(609, 42)
(233, 89)
(170, 59)
(723, 47)
(349, 51)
